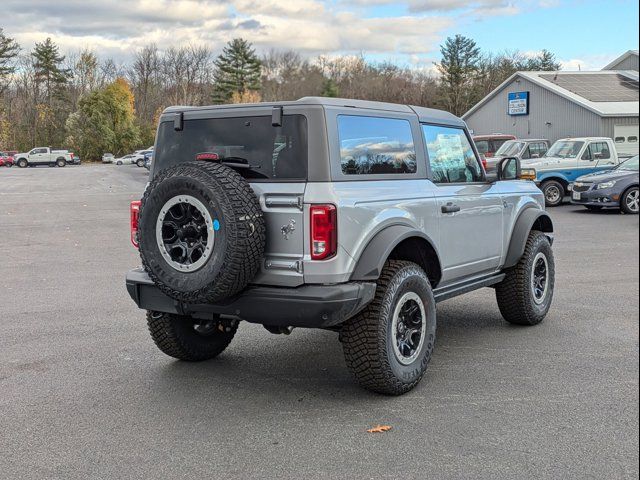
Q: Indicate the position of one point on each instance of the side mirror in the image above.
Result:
(509, 169)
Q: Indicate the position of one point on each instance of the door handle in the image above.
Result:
(450, 208)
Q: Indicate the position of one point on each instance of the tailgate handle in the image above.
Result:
(295, 202)
(450, 208)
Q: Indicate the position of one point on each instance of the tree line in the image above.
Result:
(94, 105)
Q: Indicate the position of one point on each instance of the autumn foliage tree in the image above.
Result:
(104, 122)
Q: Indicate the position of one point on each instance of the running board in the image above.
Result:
(445, 293)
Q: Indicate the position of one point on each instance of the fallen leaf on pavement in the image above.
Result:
(379, 429)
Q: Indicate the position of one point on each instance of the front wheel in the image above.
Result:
(22, 163)
(525, 295)
(185, 338)
(629, 201)
(389, 344)
(554, 193)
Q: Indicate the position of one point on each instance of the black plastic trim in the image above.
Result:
(520, 233)
(445, 293)
(312, 306)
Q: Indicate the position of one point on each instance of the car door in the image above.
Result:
(38, 156)
(470, 209)
(596, 157)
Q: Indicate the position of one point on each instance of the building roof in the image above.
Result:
(620, 59)
(606, 93)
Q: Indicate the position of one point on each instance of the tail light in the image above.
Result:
(72, 155)
(135, 214)
(324, 231)
(208, 156)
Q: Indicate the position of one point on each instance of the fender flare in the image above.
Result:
(375, 254)
(524, 224)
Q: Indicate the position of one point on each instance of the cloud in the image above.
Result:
(119, 27)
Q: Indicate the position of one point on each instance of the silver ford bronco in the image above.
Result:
(345, 215)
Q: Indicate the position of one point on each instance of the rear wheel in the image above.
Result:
(629, 201)
(389, 344)
(61, 162)
(140, 163)
(525, 295)
(554, 193)
(185, 338)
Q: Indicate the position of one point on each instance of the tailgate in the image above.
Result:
(283, 212)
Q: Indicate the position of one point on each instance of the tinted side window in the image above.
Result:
(373, 145)
(266, 152)
(482, 146)
(450, 154)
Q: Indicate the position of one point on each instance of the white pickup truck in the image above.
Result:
(568, 159)
(44, 156)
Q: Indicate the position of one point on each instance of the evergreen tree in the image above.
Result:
(545, 60)
(329, 88)
(458, 69)
(237, 71)
(48, 68)
(9, 49)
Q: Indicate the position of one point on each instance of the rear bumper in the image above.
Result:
(312, 306)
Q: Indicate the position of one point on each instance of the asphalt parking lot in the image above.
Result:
(84, 393)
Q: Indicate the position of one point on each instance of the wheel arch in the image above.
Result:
(556, 177)
(528, 220)
(398, 242)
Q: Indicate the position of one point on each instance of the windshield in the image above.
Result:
(510, 149)
(565, 149)
(631, 164)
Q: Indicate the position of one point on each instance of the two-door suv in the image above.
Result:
(345, 215)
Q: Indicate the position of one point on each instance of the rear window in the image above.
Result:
(264, 152)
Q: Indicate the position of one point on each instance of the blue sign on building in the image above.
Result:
(518, 103)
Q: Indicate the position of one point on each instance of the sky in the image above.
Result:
(583, 34)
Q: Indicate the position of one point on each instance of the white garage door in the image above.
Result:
(626, 138)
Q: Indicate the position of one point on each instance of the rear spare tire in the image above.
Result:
(201, 232)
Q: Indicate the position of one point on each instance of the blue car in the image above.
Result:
(614, 188)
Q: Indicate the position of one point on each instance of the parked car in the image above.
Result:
(568, 159)
(524, 149)
(44, 156)
(337, 214)
(6, 160)
(139, 156)
(125, 160)
(108, 157)
(148, 158)
(617, 188)
(75, 159)
(488, 145)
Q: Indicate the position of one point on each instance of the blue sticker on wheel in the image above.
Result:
(216, 225)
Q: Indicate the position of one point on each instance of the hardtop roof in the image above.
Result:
(430, 115)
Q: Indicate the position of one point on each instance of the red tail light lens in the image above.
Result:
(135, 213)
(324, 231)
(207, 156)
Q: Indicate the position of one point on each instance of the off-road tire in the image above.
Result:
(22, 163)
(515, 293)
(175, 336)
(623, 201)
(239, 242)
(553, 184)
(367, 338)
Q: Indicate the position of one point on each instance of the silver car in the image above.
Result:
(346, 215)
(525, 149)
